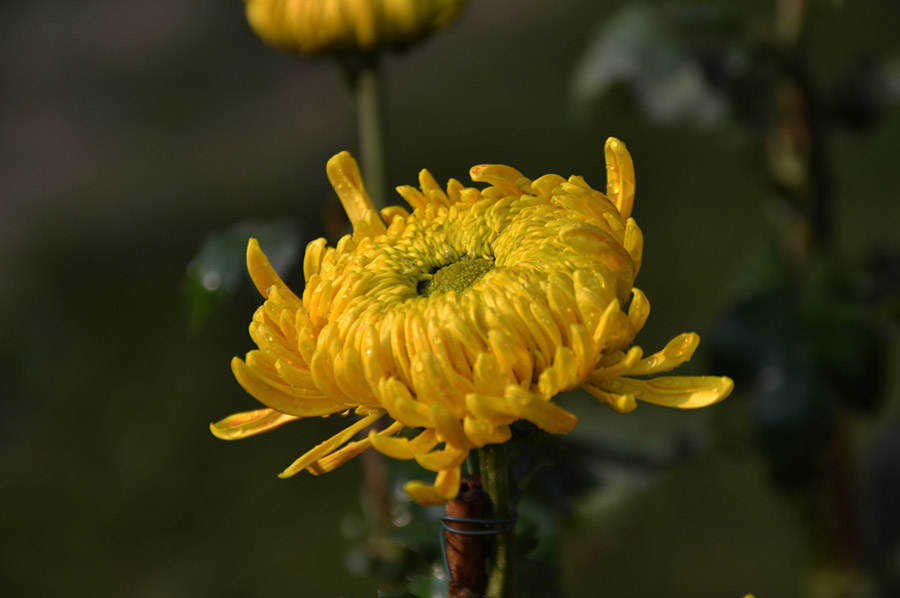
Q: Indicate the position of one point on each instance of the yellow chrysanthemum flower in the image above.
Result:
(348, 26)
(456, 320)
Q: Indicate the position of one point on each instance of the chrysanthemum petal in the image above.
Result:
(586, 203)
(448, 427)
(306, 343)
(438, 460)
(592, 298)
(273, 345)
(502, 177)
(676, 352)
(634, 244)
(432, 385)
(513, 359)
(619, 176)
(249, 423)
(598, 245)
(267, 394)
(489, 408)
(448, 348)
(681, 392)
(396, 398)
(563, 308)
(619, 364)
(413, 197)
(446, 487)
(403, 449)
(330, 445)
(544, 414)
(348, 451)
(397, 332)
(391, 212)
(623, 403)
(263, 274)
(542, 318)
(471, 343)
(546, 184)
(323, 376)
(454, 188)
(639, 309)
(614, 332)
(343, 172)
(550, 382)
(312, 259)
(481, 432)
(432, 191)
(584, 347)
(295, 376)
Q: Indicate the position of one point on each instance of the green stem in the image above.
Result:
(495, 481)
(370, 116)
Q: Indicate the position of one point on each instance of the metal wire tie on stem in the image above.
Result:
(506, 525)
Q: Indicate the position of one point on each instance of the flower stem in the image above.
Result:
(495, 480)
(370, 115)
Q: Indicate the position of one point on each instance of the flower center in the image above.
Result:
(456, 276)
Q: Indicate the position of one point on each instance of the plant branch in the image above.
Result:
(495, 479)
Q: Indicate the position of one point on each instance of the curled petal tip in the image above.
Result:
(345, 177)
(424, 495)
(249, 423)
(727, 387)
(619, 176)
(215, 431)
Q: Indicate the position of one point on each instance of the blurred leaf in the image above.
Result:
(804, 341)
(890, 79)
(883, 266)
(219, 268)
(675, 58)
(554, 469)
(859, 99)
(427, 586)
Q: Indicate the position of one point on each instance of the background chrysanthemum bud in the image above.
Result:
(348, 26)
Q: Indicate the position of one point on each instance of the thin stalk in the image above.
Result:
(798, 145)
(366, 77)
(800, 164)
(495, 481)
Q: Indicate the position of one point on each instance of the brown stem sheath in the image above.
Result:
(465, 554)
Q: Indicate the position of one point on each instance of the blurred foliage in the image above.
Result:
(806, 342)
(809, 334)
(708, 64)
(676, 59)
(220, 267)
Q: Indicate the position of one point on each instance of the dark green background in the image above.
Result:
(131, 130)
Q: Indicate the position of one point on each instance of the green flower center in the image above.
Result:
(455, 277)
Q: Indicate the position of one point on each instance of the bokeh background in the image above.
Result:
(133, 133)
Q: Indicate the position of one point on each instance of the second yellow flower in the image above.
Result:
(348, 26)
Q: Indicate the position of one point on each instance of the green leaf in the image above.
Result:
(219, 267)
